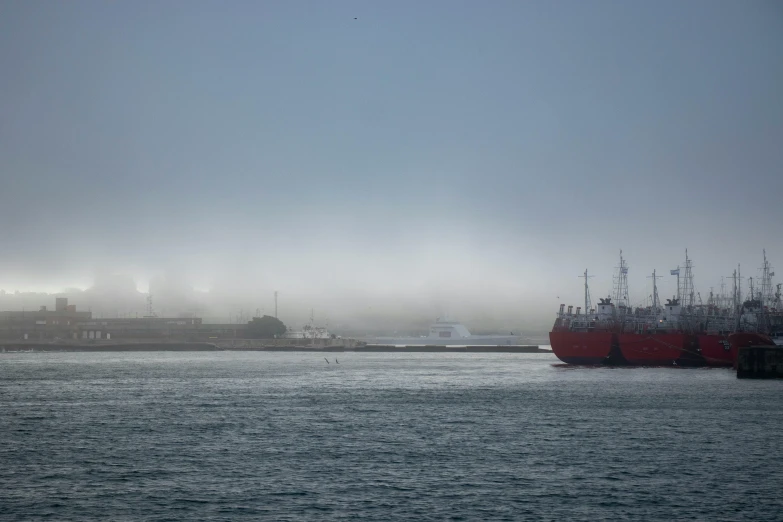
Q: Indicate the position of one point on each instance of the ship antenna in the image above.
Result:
(588, 303)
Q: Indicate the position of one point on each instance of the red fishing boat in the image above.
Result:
(716, 349)
(573, 347)
(589, 337)
(660, 349)
(683, 332)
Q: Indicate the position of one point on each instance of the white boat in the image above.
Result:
(444, 332)
(310, 331)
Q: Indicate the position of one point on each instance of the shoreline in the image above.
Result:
(22, 347)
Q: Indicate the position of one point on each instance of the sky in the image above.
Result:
(362, 156)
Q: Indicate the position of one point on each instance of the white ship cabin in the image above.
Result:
(444, 329)
(751, 310)
(605, 308)
(671, 313)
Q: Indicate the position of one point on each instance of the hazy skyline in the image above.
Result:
(356, 155)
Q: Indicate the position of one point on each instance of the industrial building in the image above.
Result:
(150, 327)
(62, 322)
(66, 323)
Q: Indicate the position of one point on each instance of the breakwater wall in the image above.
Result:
(252, 346)
(451, 349)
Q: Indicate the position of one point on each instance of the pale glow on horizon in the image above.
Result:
(391, 170)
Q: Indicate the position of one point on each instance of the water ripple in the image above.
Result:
(227, 436)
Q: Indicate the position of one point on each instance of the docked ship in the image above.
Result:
(662, 335)
(445, 332)
(680, 332)
(589, 338)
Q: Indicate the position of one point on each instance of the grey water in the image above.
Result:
(378, 436)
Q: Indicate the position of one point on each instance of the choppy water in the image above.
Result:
(227, 436)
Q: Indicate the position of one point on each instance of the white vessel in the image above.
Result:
(309, 332)
(444, 332)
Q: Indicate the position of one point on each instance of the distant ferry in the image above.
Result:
(448, 333)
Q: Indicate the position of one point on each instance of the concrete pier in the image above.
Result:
(451, 349)
(760, 362)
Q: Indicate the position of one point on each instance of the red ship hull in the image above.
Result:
(659, 349)
(717, 350)
(581, 347)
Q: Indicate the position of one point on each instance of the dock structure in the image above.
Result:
(760, 362)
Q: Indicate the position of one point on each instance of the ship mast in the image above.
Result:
(656, 301)
(676, 272)
(734, 294)
(621, 283)
(687, 292)
(588, 304)
(766, 283)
